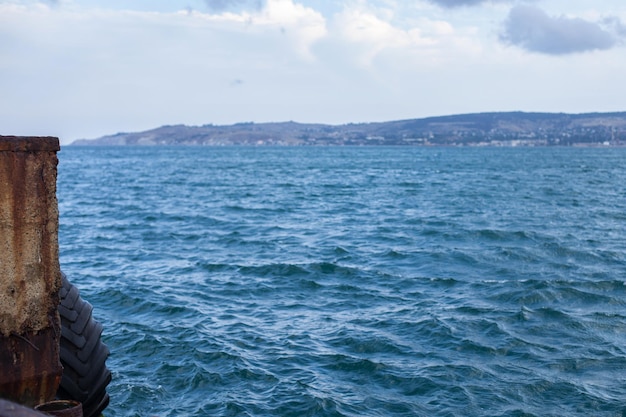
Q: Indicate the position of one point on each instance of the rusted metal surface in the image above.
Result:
(62, 408)
(30, 376)
(30, 275)
(29, 144)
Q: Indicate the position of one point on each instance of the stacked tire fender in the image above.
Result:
(83, 355)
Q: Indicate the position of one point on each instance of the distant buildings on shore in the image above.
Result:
(480, 129)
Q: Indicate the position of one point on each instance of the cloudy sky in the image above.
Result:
(86, 68)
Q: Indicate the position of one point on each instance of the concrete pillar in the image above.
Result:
(30, 276)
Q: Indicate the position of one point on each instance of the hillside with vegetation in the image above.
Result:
(479, 129)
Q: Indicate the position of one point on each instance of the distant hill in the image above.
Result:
(479, 129)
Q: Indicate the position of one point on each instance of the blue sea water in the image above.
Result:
(338, 281)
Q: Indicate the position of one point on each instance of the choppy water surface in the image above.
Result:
(353, 281)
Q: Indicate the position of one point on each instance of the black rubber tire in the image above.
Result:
(83, 355)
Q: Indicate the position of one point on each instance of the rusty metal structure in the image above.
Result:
(30, 276)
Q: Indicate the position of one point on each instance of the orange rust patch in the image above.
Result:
(29, 266)
(31, 370)
(30, 275)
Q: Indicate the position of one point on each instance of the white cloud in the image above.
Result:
(79, 71)
(83, 68)
(303, 25)
(534, 30)
(369, 33)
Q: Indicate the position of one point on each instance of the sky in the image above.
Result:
(87, 68)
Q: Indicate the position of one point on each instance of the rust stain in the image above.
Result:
(28, 240)
(31, 371)
(30, 275)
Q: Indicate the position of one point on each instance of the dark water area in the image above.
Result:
(352, 281)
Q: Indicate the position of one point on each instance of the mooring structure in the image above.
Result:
(30, 275)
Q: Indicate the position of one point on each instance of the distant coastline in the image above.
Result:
(478, 129)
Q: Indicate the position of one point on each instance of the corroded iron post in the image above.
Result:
(30, 276)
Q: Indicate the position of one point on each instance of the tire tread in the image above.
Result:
(83, 355)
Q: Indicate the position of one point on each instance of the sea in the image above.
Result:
(352, 281)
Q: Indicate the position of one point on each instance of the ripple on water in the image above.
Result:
(354, 281)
